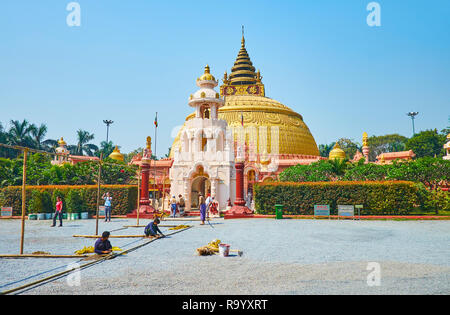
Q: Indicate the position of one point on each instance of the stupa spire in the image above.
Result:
(243, 79)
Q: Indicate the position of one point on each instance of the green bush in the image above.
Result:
(437, 200)
(74, 202)
(124, 197)
(378, 198)
(36, 202)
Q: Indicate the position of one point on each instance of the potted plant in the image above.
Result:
(74, 204)
(84, 214)
(36, 205)
(47, 205)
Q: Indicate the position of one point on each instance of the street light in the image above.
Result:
(413, 116)
(107, 122)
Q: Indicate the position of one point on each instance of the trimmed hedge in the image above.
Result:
(386, 197)
(124, 197)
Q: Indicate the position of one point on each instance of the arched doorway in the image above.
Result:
(251, 180)
(200, 186)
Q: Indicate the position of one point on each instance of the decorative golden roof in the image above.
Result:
(61, 142)
(258, 111)
(207, 76)
(337, 153)
(116, 155)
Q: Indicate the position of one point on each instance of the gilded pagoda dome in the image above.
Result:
(246, 105)
(337, 153)
(116, 155)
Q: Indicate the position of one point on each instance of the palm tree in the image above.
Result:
(19, 133)
(83, 146)
(338, 166)
(50, 145)
(106, 148)
(38, 134)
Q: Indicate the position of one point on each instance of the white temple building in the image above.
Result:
(204, 162)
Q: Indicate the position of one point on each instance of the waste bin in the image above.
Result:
(278, 212)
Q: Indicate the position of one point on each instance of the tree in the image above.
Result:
(106, 148)
(349, 147)
(83, 145)
(324, 149)
(387, 143)
(38, 134)
(19, 133)
(427, 143)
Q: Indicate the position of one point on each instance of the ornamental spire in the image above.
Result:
(243, 79)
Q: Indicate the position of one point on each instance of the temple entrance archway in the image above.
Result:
(200, 185)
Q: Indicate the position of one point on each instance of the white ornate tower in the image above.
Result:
(204, 162)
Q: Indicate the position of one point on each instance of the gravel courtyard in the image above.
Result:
(280, 257)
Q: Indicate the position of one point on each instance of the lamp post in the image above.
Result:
(107, 122)
(413, 115)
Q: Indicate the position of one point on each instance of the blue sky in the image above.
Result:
(129, 59)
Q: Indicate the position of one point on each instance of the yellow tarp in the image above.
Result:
(90, 250)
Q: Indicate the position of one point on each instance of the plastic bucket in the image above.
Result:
(84, 215)
(32, 217)
(41, 216)
(224, 250)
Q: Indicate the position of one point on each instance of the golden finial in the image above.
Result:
(243, 39)
(149, 142)
(207, 76)
(225, 78)
(365, 139)
(62, 142)
(258, 77)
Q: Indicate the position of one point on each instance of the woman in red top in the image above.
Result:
(59, 206)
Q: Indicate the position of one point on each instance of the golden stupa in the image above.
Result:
(337, 153)
(116, 155)
(245, 100)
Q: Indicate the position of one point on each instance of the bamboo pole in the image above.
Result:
(104, 258)
(139, 195)
(98, 191)
(24, 179)
(111, 236)
(42, 256)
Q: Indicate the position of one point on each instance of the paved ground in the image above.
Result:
(280, 257)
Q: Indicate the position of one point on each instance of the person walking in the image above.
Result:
(59, 206)
(173, 206)
(107, 199)
(208, 203)
(202, 205)
(181, 205)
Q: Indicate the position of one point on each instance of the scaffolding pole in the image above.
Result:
(24, 179)
(98, 191)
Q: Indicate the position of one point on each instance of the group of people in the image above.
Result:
(208, 206)
(177, 205)
(103, 245)
(59, 207)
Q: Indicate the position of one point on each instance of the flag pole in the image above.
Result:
(154, 162)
